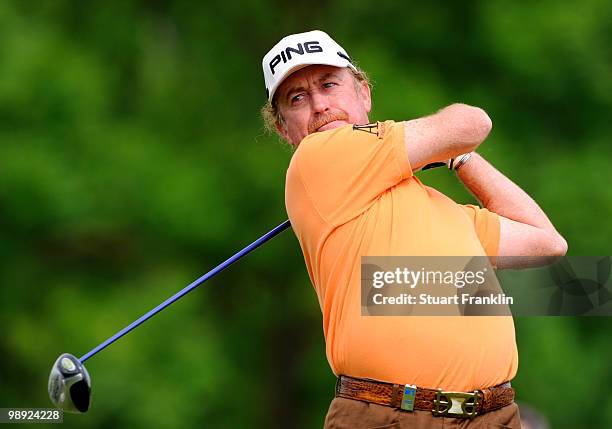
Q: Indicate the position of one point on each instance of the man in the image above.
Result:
(351, 192)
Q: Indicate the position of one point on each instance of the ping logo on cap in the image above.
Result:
(301, 49)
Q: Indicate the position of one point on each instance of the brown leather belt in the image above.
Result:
(439, 402)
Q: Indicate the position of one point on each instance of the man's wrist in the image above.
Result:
(459, 161)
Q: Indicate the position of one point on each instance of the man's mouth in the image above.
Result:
(328, 122)
(331, 125)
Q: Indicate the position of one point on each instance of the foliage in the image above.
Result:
(132, 159)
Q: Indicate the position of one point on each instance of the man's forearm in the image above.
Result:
(500, 195)
(527, 236)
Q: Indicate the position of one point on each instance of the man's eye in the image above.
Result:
(297, 98)
(329, 84)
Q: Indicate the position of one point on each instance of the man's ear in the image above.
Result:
(281, 129)
(366, 96)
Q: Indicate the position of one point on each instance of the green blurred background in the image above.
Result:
(133, 159)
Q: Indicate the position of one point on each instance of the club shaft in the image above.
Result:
(188, 289)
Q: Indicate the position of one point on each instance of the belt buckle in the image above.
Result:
(456, 404)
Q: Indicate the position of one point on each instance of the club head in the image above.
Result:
(69, 384)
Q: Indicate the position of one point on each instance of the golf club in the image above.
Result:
(69, 382)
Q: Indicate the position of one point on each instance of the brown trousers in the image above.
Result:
(351, 414)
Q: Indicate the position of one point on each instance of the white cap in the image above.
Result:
(300, 50)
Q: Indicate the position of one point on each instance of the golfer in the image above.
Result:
(351, 192)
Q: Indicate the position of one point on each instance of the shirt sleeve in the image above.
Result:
(345, 170)
(486, 224)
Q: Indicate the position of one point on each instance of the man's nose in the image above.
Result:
(320, 102)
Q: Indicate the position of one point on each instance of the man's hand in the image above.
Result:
(454, 130)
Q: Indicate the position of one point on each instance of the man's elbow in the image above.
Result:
(559, 247)
(474, 125)
(556, 248)
(482, 123)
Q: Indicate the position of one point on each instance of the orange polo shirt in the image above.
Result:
(351, 193)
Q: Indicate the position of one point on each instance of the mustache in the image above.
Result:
(326, 119)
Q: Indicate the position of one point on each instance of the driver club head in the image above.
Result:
(69, 384)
